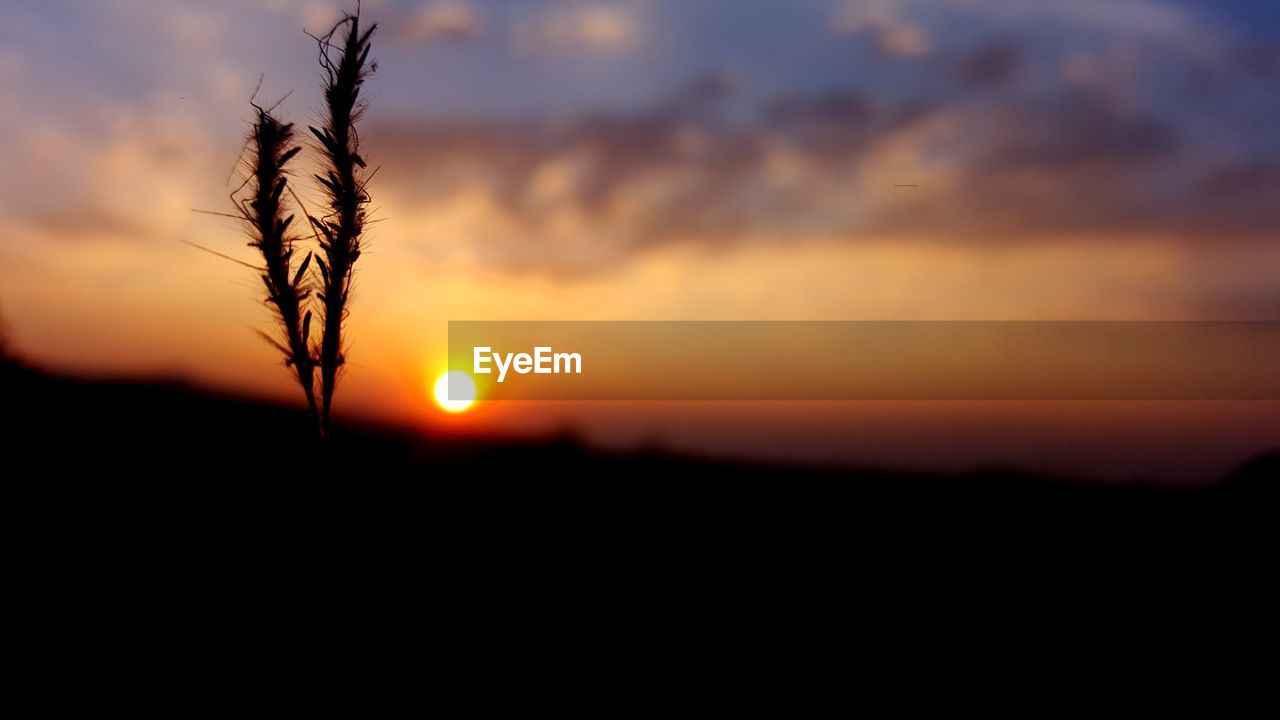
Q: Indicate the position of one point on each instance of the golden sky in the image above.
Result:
(660, 161)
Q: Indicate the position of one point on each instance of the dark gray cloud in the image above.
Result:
(992, 65)
(1074, 163)
(1019, 120)
(1075, 129)
(1260, 61)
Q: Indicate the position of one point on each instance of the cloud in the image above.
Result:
(1135, 18)
(1075, 130)
(441, 21)
(565, 198)
(894, 35)
(1238, 194)
(1261, 61)
(1005, 142)
(994, 64)
(315, 15)
(576, 27)
(119, 176)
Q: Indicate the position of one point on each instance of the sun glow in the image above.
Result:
(464, 391)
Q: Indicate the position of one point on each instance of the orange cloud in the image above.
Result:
(586, 26)
(895, 35)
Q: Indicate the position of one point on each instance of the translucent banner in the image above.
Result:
(871, 360)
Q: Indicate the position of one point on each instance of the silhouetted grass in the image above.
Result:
(345, 64)
(269, 228)
(338, 232)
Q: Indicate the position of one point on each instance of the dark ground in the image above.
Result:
(173, 444)
(155, 505)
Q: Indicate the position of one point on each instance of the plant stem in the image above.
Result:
(286, 289)
(342, 228)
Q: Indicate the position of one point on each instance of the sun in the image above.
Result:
(464, 391)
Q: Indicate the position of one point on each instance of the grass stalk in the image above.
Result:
(272, 144)
(344, 59)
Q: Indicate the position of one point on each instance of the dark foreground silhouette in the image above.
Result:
(175, 435)
(119, 491)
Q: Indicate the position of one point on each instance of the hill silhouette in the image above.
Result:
(172, 453)
(164, 429)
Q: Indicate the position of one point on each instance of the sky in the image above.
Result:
(665, 160)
